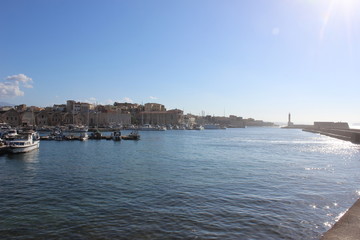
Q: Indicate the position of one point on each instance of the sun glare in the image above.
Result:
(346, 5)
(344, 9)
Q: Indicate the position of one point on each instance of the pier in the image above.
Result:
(351, 135)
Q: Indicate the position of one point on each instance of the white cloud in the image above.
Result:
(275, 31)
(11, 86)
(128, 100)
(153, 98)
(21, 78)
(8, 90)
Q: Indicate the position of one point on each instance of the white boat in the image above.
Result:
(199, 127)
(11, 133)
(148, 127)
(132, 136)
(24, 142)
(161, 128)
(84, 136)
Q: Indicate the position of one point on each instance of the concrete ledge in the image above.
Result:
(348, 227)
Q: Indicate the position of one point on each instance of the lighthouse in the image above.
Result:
(289, 121)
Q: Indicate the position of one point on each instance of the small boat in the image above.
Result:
(84, 136)
(96, 135)
(24, 142)
(116, 136)
(198, 127)
(148, 127)
(132, 136)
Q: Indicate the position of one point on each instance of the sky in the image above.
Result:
(252, 58)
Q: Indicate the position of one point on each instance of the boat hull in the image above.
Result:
(23, 149)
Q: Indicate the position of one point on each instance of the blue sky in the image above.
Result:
(251, 58)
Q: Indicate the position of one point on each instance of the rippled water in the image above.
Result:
(253, 183)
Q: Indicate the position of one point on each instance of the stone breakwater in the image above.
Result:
(351, 135)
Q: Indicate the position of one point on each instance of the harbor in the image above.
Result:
(236, 184)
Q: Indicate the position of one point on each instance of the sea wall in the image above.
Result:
(351, 135)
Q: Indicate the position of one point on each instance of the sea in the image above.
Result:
(251, 183)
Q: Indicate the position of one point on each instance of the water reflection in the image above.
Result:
(29, 161)
(29, 157)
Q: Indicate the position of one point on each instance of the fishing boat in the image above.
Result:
(24, 142)
(96, 135)
(132, 136)
(116, 136)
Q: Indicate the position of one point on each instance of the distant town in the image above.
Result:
(116, 115)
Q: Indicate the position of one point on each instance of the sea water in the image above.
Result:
(252, 183)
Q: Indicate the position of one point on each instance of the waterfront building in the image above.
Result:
(189, 120)
(104, 119)
(127, 107)
(20, 108)
(27, 118)
(42, 118)
(56, 118)
(154, 107)
(70, 105)
(59, 107)
(12, 117)
(86, 107)
(236, 122)
(172, 117)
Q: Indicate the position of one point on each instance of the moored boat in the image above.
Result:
(147, 127)
(132, 136)
(116, 136)
(84, 136)
(24, 142)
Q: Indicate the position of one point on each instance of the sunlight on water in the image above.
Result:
(331, 146)
(337, 218)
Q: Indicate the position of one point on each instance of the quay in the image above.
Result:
(339, 130)
(348, 227)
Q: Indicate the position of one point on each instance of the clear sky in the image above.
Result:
(250, 58)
